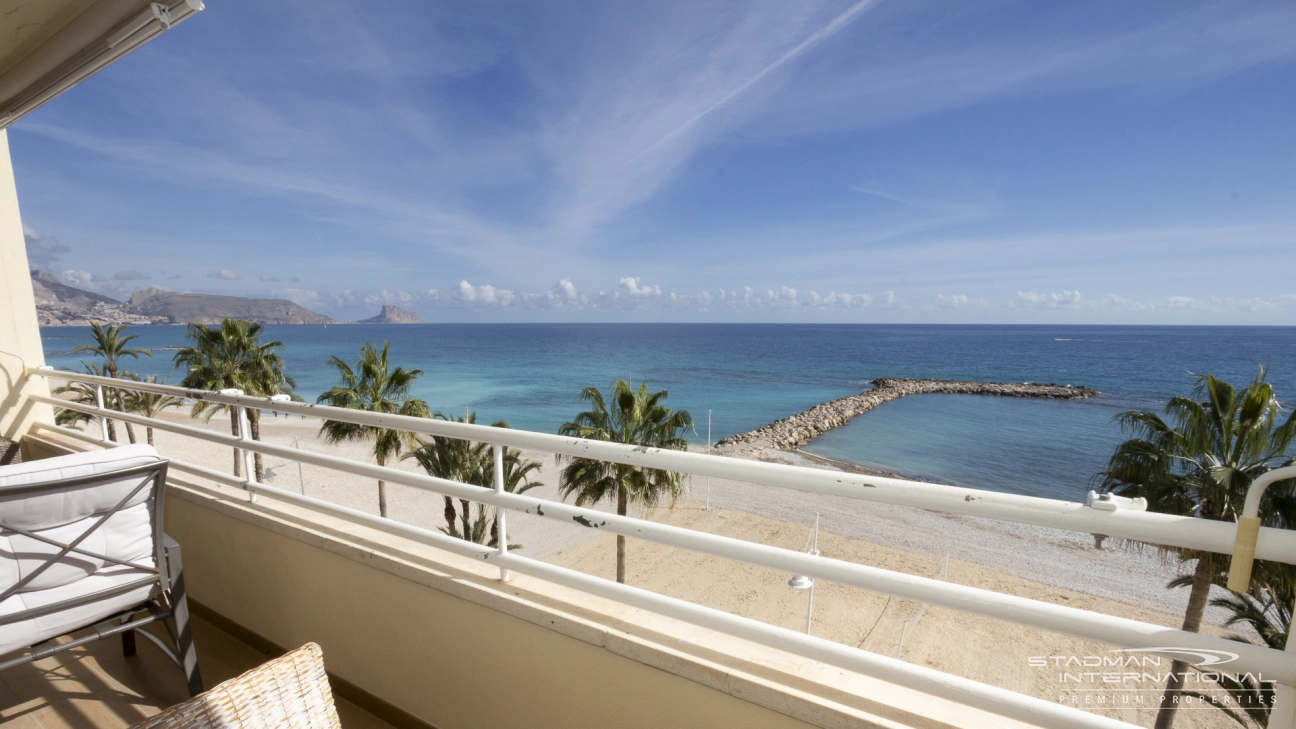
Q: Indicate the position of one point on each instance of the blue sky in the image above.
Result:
(876, 161)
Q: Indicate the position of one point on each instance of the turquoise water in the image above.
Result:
(748, 375)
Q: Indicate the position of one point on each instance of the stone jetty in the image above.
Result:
(796, 430)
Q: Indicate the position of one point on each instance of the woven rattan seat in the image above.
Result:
(290, 691)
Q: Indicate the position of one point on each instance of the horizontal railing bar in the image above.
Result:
(190, 468)
(995, 700)
(1278, 545)
(1273, 664)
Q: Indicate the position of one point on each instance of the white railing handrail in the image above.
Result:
(968, 692)
(1278, 545)
(1122, 632)
(1272, 664)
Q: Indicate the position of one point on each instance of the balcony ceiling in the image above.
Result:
(39, 38)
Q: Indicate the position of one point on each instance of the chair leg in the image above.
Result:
(180, 614)
(128, 643)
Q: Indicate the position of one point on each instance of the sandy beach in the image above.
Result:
(1033, 562)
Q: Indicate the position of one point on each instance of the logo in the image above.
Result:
(1192, 656)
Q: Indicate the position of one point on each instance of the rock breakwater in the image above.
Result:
(796, 430)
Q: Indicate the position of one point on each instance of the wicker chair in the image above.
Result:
(290, 691)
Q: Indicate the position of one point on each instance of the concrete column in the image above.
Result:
(19, 331)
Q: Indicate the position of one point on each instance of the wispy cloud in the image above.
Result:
(769, 145)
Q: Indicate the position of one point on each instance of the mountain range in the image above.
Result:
(58, 304)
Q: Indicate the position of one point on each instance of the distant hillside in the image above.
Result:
(58, 304)
(393, 315)
(50, 291)
(211, 309)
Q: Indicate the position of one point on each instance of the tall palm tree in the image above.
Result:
(148, 404)
(376, 387)
(232, 355)
(110, 344)
(1199, 461)
(459, 460)
(635, 418)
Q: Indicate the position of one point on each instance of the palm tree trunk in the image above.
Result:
(112, 431)
(149, 431)
(1192, 623)
(254, 425)
(449, 513)
(238, 454)
(621, 545)
(130, 432)
(466, 506)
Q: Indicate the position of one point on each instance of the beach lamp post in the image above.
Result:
(708, 497)
(802, 582)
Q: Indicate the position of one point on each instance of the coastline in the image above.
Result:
(801, 428)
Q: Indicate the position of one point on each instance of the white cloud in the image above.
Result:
(839, 301)
(269, 277)
(300, 297)
(952, 301)
(224, 274)
(565, 290)
(785, 294)
(42, 251)
(485, 294)
(1116, 301)
(631, 286)
(1064, 300)
(78, 278)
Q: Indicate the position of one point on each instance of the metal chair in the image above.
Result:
(82, 546)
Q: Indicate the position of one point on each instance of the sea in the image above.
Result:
(738, 377)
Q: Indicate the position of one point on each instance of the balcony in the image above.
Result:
(421, 628)
(95, 687)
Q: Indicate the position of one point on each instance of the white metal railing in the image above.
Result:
(1273, 544)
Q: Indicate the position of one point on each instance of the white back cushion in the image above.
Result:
(64, 506)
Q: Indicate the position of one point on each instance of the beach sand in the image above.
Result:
(1038, 563)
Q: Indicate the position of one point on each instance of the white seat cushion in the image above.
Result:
(63, 515)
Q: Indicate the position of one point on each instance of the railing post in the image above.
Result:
(103, 420)
(1283, 713)
(501, 517)
(242, 430)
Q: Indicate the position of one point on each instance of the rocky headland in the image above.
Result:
(801, 428)
(393, 315)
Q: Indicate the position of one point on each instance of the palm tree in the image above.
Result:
(377, 388)
(1199, 461)
(636, 418)
(112, 346)
(84, 394)
(232, 355)
(459, 460)
(1267, 610)
(148, 404)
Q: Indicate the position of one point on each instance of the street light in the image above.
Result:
(802, 582)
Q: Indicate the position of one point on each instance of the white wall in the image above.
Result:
(19, 332)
